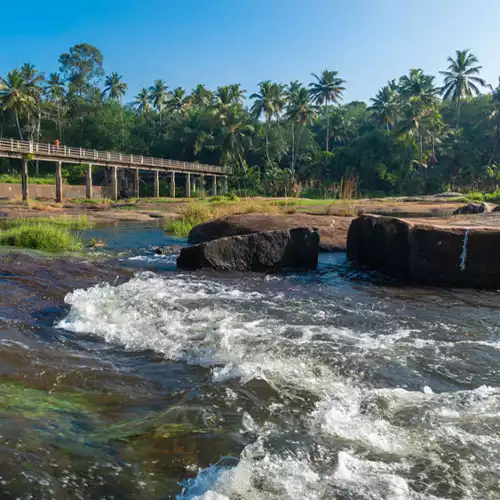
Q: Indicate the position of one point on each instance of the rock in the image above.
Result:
(168, 250)
(333, 230)
(420, 252)
(270, 251)
(474, 208)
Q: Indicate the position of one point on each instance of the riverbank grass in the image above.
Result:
(50, 235)
(202, 211)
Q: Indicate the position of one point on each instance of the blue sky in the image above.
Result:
(215, 42)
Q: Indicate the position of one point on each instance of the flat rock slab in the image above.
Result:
(270, 251)
(426, 252)
(332, 230)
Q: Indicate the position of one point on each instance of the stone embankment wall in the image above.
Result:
(48, 191)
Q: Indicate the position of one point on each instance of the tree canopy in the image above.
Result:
(415, 136)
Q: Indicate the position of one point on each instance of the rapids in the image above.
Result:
(210, 386)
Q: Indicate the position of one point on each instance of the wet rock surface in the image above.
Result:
(475, 208)
(423, 252)
(270, 251)
(332, 230)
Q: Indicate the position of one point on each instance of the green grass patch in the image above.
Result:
(40, 235)
(75, 223)
(16, 179)
(90, 201)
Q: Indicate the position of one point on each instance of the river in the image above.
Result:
(126, 379)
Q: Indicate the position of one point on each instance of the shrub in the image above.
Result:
(40, 235)
(475, 196)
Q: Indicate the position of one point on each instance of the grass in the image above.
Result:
(493, 197)
(90, 201)
(40, 234)
(202, 211)
(75, 223)
(16, 179)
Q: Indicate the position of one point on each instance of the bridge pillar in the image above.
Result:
(188, 186)
(88, 183)
(114, 183)
(59, 184)
(202, 186)
(214, 185)
(224, 185)
(172, 184)
(24, 180)
(156, 185)
(137, 180)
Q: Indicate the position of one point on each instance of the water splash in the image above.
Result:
(463, 257)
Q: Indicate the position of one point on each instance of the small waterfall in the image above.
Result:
(463, 257)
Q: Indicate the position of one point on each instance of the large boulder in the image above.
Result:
(271, 251)
(332, 230)
(420, 252)
(474, 208)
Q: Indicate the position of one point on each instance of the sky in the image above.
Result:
(217, 42)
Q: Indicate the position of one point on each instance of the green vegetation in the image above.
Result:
(201, 211)
(40, 235)
(16, 179)
(75, 223)
(493, 197)
(418, 135)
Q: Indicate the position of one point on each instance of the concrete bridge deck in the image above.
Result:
(27, 150)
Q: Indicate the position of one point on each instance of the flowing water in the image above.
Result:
(130, 380)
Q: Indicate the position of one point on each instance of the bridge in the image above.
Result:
(28, 150)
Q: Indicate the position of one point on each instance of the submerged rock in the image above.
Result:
(332, 230)
(168, 250)
(270, 251)
(474, 208)
(421, 252)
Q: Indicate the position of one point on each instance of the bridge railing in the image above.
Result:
(28, 147)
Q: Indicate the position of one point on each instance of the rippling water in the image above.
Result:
(216, 386)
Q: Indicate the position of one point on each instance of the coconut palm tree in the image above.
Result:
(158, 94)
(33, 84)
(14, 96)
(302, 113)
(291, 92)
(386, 107)
(264, 105)
(178, 102)
(461, 79)
(327, 88)
(200, 97)
(418, 84)
(237, 94)
(142, 102)
(55, 90)
(114, 87)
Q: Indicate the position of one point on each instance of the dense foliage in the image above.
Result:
(414, 137)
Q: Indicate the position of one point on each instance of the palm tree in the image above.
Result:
(178, 102)
(417, 84)
(13, 96)
(385, 107)
(200, 97)
(327, 88)
(301, 112)
(55, 91)
(264, 102)
(32, 82)
(237, 138)
(461, 80)
(291, 96)
(142, 101)
(158, 94)
(114, 87)
(237, 94)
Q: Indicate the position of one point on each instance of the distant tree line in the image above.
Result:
(413, 137)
